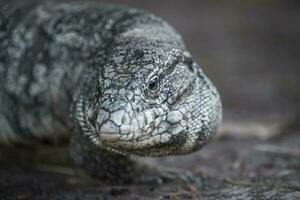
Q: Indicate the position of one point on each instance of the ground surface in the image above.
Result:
(231, 168)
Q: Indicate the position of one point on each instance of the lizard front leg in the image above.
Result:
(104, 165)
(115, 168)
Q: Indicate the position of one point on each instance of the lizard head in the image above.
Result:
(153, 100)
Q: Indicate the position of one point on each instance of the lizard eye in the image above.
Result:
(153, 85)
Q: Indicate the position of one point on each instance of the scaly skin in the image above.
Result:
(117, 80)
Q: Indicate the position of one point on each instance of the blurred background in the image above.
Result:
(250, 49)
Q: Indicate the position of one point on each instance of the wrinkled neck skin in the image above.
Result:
(115, 109)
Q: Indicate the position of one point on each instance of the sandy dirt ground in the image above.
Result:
(229, 168)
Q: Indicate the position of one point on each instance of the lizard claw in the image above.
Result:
(183, 176)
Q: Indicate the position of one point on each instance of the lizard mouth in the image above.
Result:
(127, 138)
(153, 139)
(110, 136)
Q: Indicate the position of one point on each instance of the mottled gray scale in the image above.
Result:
(117, 80)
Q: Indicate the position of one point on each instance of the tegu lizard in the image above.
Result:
(118, 81)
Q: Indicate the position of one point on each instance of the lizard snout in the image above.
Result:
(112, 126)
